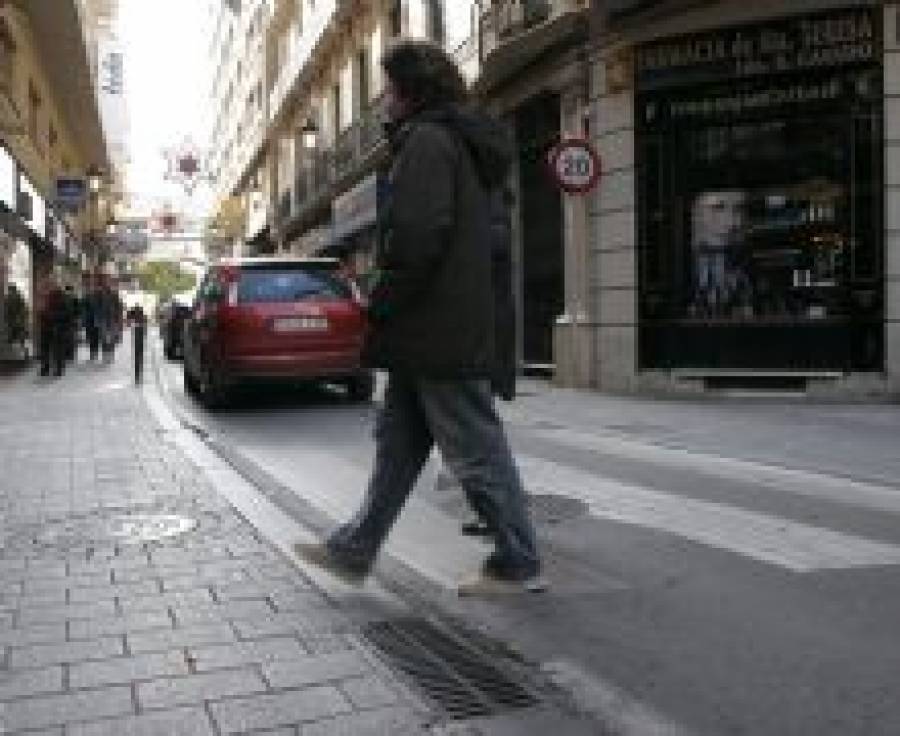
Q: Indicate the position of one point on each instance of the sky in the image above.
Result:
(165, 43)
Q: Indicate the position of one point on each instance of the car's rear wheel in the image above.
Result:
(361, 387)
(190, 383)
(213, 392)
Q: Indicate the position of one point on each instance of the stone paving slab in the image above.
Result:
(263, 651)
(128, 669)
(175, 722)
(270, 711)
(208, 633)
(171, 691)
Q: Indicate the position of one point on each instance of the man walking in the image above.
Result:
(53, 319)
(432, 312)
(72, 323)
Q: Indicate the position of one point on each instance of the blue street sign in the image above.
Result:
(71, 191)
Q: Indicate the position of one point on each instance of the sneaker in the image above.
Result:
(487, 585)
(476, 529)
(320, 556)
(499, 567)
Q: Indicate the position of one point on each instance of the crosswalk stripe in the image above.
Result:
(799, 482)
(798, 547)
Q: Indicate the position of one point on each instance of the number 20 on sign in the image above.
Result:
(575, 165)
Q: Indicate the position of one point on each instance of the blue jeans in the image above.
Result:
(459, 416)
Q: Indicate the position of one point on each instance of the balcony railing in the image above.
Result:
(299, 56)
(315, 179)
(503, 20)
(358, 142)
(354, 150)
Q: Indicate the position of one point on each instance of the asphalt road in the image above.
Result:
(731, 565)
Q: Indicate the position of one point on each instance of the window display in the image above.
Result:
(768, 220)
(760, 153)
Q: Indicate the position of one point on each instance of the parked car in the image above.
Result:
(171, 318)
(274, 319)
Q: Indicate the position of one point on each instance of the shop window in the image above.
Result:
(7, 58)
(436, 26)
(34, 114)
(765, 211)
(336, 112)
(363, 84)
(395, 18)
(767, 219)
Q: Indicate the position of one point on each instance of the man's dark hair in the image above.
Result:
(424, 74)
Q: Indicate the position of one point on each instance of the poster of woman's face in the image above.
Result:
(718, 219)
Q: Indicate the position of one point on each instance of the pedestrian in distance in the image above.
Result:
(109, 320)
(70, 334)
(53, 321)
(16, 317)
(137, 320)
(432, 325)
(91, 318)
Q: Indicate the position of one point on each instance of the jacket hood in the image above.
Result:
(486, 140)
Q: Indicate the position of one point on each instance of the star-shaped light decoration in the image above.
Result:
(186, 166)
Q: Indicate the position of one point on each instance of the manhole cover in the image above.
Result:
(104, 527)
(549, 508)
(455, 676)
(150, 527)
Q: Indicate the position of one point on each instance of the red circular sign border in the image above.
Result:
(585, 145)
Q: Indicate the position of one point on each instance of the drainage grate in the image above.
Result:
(463, 682)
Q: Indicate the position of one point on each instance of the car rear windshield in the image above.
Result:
(290, 285)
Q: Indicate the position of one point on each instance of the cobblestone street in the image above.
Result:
(135, 601)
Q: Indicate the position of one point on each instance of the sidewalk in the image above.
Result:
(134, 600)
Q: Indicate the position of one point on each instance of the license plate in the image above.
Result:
(300, 324)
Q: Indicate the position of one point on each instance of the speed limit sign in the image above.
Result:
(575, 165)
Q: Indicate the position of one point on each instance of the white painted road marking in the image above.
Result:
(790, 480)
(771, 539)
(619, 713)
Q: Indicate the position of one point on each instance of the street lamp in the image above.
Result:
(309, 134)
(95, 179)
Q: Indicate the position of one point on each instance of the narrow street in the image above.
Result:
(621, 278)
(728, 566)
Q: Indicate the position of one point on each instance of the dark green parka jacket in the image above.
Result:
(432, 305)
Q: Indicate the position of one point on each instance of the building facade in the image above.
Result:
(50, 126)
(534, 75)
(282, 66)
(526, 61)
(745, 232)
(239, 103)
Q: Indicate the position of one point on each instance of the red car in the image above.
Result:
(274, 319)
